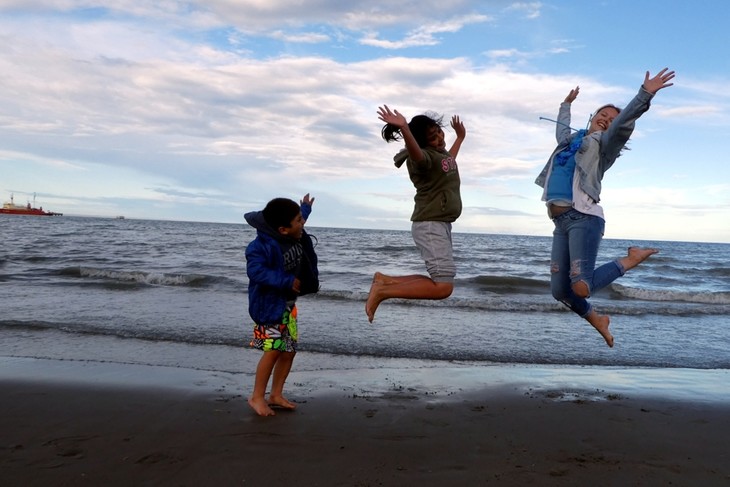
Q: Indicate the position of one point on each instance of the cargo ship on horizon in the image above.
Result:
(10, 208)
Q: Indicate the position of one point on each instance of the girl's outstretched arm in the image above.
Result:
(396, 118)
(563, 132)
(460, 130)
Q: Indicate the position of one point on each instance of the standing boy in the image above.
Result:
(281, 264)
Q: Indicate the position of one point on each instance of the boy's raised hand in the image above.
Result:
(306, 200)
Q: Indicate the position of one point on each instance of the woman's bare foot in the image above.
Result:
(261, 407)
(600, 323)
(282, 402)
(636, 256)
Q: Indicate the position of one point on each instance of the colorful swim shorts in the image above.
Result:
(282, 337)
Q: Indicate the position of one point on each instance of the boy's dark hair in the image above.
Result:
(418, 125)
(280, 212)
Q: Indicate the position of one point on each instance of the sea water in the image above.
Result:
(138, 290)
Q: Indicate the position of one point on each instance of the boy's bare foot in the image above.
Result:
(636, 256)
(282, 402)
(600, 323)
(261, 407)
(374, 299)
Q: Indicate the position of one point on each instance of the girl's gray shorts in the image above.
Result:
(433, 239)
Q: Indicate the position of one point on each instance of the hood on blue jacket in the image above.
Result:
(256, 220)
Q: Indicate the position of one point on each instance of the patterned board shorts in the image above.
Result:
(282, 337)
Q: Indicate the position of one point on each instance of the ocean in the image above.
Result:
(140, 291)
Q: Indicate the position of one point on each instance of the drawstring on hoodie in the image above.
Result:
(559, 123)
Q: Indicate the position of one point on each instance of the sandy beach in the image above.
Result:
(82, 423)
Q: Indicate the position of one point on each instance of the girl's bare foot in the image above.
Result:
(261, 407)
(381, 278)
(282, 402)
(374, 299)
(600, 323)
(636, 256)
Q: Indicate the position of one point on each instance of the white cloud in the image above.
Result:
(505, 53)
(689, 111)
(425, 35)
(531, 10)
(306, 37)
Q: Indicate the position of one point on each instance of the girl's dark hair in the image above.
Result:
(419, 126)
(280, 212)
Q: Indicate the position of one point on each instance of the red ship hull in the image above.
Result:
(26, 211)
(10, 208)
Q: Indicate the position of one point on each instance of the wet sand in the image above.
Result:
(80, 423)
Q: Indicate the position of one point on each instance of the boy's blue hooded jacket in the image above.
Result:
(269, 284)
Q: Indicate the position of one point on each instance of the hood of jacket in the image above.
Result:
(256, 220)
(400, 157)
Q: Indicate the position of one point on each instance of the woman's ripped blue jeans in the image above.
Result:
(576, 239)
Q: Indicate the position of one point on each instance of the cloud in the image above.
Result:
(531, 10)
(515, 55)
(682, 198)
(307, 37)
(696, 111)
(256, 17)
(425, 35)
(238, 115)
(476, 211)
(505, 53)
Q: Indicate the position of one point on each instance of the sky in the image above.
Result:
(205, 110)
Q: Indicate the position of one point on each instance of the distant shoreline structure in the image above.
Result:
(10, 208)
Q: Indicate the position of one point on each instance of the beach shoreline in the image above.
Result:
(68, 421)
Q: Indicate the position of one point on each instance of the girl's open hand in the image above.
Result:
(572, 95)
(658, 82)
(458, 127)
(392, 117)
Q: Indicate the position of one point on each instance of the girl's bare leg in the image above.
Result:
(636, 256)
(405, 287)
(281, 372)
(385, 279)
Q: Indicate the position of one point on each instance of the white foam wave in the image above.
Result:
(669, 295)
(152, 278)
